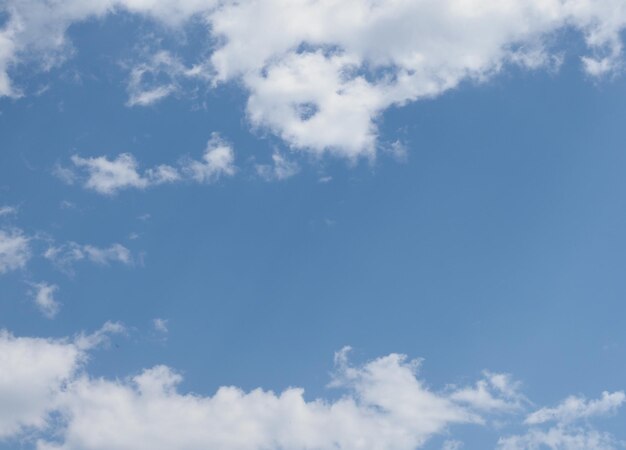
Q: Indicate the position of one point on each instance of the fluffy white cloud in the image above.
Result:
(45, 392)
(43, 295)
(31, 377)
(320, 73)
(343, 63)
(218, 160)
(14, 250)
(33, 373)
(109, 176)
(385, 407)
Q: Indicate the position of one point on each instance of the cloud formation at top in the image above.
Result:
(320, 73)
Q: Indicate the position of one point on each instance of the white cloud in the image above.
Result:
(149, 96)
(33, 373)
(496, 392)
(44, 299)
(14, 250)
(218, 160)
(565, 434)
(319, 74)
(280, 169)
(159, 77)
(109, 176)
(575, 408)
(322, 82)
(85, 342)
(385, 407)
(64, 256)
(558, 438)
(46, 393)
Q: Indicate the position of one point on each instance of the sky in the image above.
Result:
(312, 224)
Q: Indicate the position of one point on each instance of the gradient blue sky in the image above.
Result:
(495, 242)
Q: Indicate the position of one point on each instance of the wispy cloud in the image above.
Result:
(7, 210)
(64, 256)
(160, 325)
(280, 169)
(43, 295)
(158, 77)
(566, 426)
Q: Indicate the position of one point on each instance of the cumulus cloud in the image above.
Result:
(33, 373)
(47, 393)
(217, 161)
(109, 176)
(322, 82)
(43, 296)
(319, 74)
(14, 250)
(385, 407)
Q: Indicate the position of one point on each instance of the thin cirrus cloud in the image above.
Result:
(280, 169)
(48, 396)
(576, 408)
(7, 210)
(159, 76)
(568, 427)
(109, 176)
(66, 255)
(322, 82)
(160, 325)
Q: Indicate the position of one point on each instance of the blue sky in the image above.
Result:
(179, 213)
